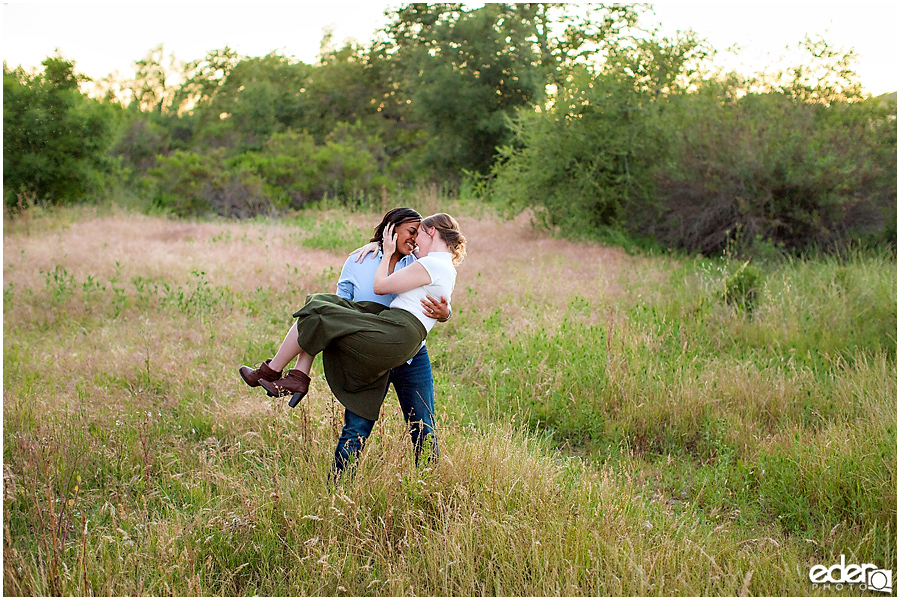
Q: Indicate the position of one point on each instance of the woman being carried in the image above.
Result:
(362, 341)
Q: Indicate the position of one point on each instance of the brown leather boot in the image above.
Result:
(296, 382)
(252, 376)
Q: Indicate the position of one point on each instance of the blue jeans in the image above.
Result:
(414, 385)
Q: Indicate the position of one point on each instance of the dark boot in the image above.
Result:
(296, 382)
(253, 376)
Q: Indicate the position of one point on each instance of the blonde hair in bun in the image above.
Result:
(448, 229)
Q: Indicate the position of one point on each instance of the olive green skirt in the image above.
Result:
(360, 343)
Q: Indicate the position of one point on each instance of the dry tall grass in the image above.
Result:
(136, 461)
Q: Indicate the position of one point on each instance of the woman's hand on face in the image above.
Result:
(389, 240)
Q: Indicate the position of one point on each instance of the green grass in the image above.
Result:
(783, 415)
(668, 426)
(332, 230)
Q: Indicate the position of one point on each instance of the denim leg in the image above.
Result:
(414, 384)
(353, 437)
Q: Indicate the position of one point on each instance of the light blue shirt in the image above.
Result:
(357, 280)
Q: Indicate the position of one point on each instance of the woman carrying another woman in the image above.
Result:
(362, 341)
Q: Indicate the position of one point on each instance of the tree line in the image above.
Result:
(601, 127)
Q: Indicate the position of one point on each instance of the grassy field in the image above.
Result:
(609, 424)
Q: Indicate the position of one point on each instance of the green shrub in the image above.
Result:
(297, 170)
(287, 165)
(55, 140)
(644, 145)
(143, 139)
(742, 287)
(584, 161)
(290, 171)
(774, 167)
(192, 184)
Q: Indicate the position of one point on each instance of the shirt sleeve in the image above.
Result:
(432, 267)
(346, 288)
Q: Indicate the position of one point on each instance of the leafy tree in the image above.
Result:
(143, 137)
(241, 102)
(339, 91)
(583, 162)
(154, 85)
(825, 75)
(434, 94)
(801, 159)
(55, 140)
(237, 103)
(465, 72)
(649, 144)
(586, 160)
(355, 87)
(204, 78)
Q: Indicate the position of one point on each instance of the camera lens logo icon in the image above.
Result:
(880, 581)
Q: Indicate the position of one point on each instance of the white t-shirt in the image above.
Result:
(443, 277)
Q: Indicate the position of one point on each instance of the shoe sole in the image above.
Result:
(270, 394)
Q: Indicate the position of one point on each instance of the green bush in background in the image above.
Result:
(648, 144)
(191, 184)
(55, 140)
(290, 171)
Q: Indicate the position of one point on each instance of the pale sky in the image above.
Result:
(106, 37)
